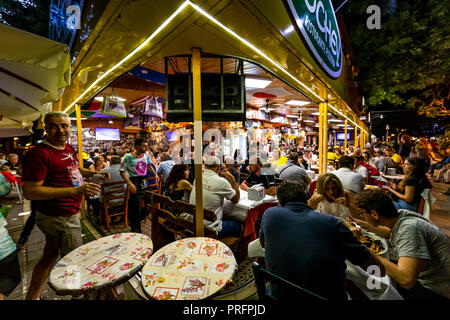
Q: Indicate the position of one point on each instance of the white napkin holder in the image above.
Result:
(256, 193)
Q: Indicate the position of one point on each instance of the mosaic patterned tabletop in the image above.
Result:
(101, 264)
(188, 269)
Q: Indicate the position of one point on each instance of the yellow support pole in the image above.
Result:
(80, 153)
(197, 100)
(323, 131)
(356, 137)
(361, 140)
(364, 141)
(345, 140)
(325, 136)
(321, 155)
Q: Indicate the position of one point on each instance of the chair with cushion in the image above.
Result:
(114, 202)
(294, 291)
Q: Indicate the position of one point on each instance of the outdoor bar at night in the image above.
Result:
(220, 150)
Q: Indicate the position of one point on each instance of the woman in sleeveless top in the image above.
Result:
(408, 191)
(178, 188)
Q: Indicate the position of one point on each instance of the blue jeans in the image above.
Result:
(230, 228)
(400, 204)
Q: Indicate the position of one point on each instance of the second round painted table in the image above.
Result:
(188, 269)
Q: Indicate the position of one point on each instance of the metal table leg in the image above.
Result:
(19, 191)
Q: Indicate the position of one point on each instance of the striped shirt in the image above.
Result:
(383, 162)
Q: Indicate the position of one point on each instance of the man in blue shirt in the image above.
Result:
(309, 248)
(165, 167)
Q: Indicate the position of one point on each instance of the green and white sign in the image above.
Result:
(319, 31)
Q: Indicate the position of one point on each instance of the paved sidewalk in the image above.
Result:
(30, 255)
(440, 211)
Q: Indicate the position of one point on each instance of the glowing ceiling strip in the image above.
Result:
(228, 30)
(143, 44)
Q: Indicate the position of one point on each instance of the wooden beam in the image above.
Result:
(197, 100)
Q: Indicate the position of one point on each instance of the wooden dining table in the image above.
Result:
(188, 269)
(101, 265)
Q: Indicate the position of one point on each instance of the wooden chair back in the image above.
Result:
(166, 222)
(115, 197)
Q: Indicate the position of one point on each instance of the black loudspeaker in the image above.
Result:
(178, 92)
(223, 97)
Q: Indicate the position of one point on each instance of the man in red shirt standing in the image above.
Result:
(52, 177)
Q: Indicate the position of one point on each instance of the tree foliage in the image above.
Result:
(406, 62)
(28, 15)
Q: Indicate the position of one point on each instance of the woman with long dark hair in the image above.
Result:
(408, 191)
(177, 184)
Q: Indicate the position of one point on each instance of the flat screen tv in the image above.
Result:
(107, 134)
(341, 136)
(172, 136)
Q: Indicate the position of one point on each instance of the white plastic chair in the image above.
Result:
(429, 201)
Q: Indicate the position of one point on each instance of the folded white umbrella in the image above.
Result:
(14, 132)
(33, 71)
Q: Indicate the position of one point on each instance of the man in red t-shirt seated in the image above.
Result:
(52, 177)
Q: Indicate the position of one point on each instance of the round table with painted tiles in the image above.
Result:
(188, 269)
(101, 265)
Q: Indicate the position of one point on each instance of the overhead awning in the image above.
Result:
(14, 132)
(249, 30)
(33, 72)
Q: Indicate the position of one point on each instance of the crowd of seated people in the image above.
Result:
(419, 268)
(420, 265)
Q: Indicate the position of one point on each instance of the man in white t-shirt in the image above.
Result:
(310, 156)
(216, 188)
(350, 180)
